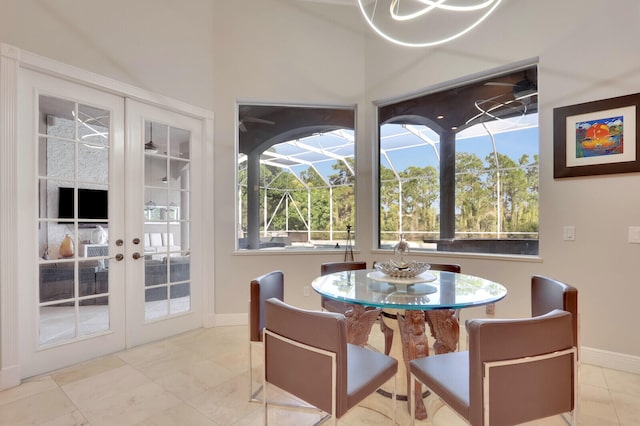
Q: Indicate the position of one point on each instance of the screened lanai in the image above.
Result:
(296, 165)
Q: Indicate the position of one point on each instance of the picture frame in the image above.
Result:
(598, 137)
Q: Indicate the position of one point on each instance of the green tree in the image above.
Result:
(474, 205)
(344, 203)
(420, 191)
(389, 204)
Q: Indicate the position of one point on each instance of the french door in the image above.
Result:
(163, 295)
(107, 248)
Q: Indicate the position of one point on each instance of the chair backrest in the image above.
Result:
(548, 294)
(302, 373)
(447, 267)
(262, 288)
(525, 391)
(331, 267)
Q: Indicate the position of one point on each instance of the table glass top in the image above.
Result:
(436, 290)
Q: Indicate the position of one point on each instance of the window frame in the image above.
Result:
(334, 118)
(447, 241)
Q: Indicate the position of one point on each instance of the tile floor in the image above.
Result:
(201, 378)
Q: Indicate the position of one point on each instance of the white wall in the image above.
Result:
(579, 62)
(163, 46)
(214, 53)
(276, 51)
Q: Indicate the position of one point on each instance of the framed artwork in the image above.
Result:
(595, 138)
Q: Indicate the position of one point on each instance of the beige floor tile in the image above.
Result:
(622, 382)
(28, 388)
(592, 375)
(75, 418)
(129, 407)
(181, 414)
(91, 390)
(144, 354)
(227, 403)
(194, 378)
(36, 409)
(86, 369)
(596, 403)
(201, 378)
(627, 408)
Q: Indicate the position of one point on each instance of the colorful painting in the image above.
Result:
(600, 137)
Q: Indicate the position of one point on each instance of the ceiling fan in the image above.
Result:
(248, 119)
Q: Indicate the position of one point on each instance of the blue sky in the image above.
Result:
(406, 149)
(512, 143)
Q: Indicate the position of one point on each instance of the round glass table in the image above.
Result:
(430, 290)
(407, 306)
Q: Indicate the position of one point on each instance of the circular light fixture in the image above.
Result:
(390, 26)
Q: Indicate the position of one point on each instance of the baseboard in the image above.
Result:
(612, 360)
(222, 320)
(9, 377)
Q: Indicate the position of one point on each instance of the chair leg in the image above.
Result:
(393, 400)
(410, 401)
(264, 398)
(253, 395)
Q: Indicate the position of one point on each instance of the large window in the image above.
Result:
(296, 177)
(458, 167)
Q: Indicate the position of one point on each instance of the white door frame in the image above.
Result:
(12, 60)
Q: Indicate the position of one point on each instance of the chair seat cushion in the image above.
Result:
(362, 362)
(451, 368)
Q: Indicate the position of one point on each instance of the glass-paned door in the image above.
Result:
(166, 220)
(73, 177)
(72, 300)
(164, 295)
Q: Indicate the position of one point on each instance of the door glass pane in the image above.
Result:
(95, 163)
(180, 300)
(156, 305)
(166, 218)
(57, 323)
(93, 125)
(51, 151)
(73, 176)
(93, 315)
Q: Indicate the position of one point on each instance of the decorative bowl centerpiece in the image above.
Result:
(402, 269)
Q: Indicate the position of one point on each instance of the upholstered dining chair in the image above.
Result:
(261, 288)
(548, 294)
(331, 267)
(515, 371)
(307, 355)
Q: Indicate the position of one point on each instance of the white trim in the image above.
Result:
(209, 318)
(612, 360)
(9, 330)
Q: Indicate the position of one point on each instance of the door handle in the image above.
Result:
(136, 255)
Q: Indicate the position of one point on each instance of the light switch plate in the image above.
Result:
(569, 233)
(634, 234)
